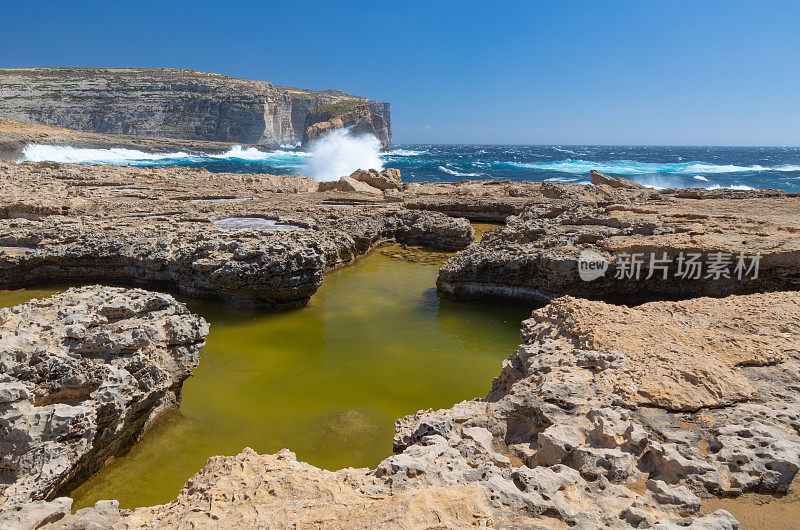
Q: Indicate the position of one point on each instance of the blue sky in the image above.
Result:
(600, 72)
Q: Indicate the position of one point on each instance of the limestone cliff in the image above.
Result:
(169, 103)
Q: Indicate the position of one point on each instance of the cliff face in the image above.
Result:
(167, 103)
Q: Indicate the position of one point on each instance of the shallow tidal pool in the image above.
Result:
(327, 381)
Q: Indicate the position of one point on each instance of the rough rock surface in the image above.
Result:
(698, 397)
(383, 180)
(370, 181)
(156, 227)
(167, 103)
(599, 179)
(605, 416)
(82, 374)
(536, 255)
(581, 429)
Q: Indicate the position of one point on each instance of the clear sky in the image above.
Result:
(540, 72)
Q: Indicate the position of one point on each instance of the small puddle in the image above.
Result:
(254, 223)
(481, 229)
(761, 512)
(326, 381)
(225, 199)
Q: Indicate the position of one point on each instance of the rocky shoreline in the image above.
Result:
(606, 415)
(84, 372)
(166, 228)
(535, 256)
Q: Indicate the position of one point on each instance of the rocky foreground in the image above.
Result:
(535, 256)
(606, 415)
(603, 417)
(82, 374)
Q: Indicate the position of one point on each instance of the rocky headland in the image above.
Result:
(606, 415)
(183, 104)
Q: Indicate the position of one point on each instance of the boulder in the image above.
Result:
(348, 184)
(387, 179)
(615, 182)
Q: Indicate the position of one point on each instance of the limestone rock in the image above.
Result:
(250, 490)
(536, 256)
(34, 514)
(349, 184)
(156, 226)
(600, 179)
(82, 374)
(383, 180)
(171, 103)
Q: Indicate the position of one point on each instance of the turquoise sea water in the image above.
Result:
(660, 167)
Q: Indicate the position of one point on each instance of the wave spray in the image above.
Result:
(339, 153)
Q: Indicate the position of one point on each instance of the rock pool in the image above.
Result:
(327, 381)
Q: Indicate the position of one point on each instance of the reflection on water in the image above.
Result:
(327, 381)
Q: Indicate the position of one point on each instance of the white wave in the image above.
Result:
(731, 187)
(120, 156)
(561, 179)
(339, 153)
(237, 152)
(403, 152)
(59, 153)
(568, 151)
(701, 177)
(629, 167)
(458, 173)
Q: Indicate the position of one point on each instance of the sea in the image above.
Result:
(654, 166)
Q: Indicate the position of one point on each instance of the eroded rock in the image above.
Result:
(166, 226)
(645, 239)
(82, 374)
(563, 431)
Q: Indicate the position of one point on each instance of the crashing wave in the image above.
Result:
(630, 167)
(458, 173)
(120, 156)
(339, 153)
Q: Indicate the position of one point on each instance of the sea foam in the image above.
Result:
(630, 167)
(334, 155)
(120, 156)
(458, 173)
(59, 153)
(339, 153)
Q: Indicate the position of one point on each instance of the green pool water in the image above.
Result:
(327, 381)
